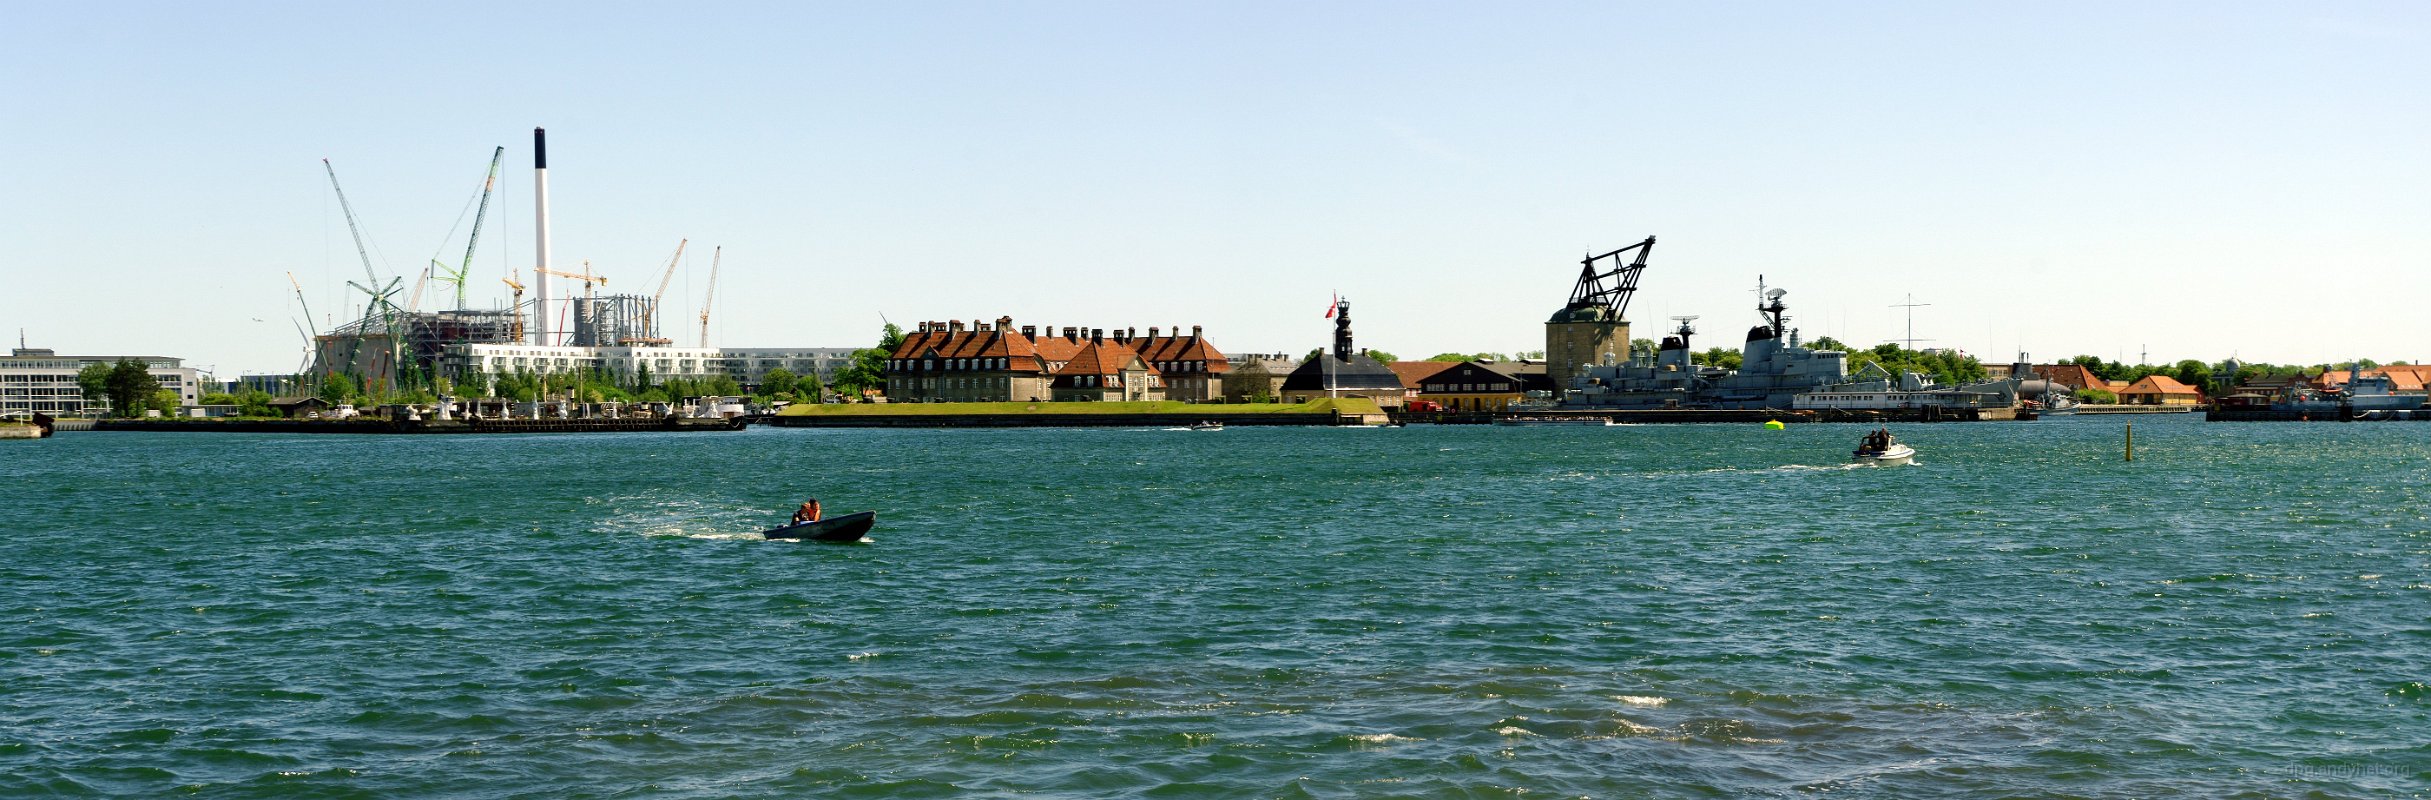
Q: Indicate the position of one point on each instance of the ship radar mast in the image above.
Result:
(1768, 304)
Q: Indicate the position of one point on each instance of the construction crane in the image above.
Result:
(516, 306)
(351, 227)
(661, 294)
(585, 276)
(473, 241)
(309, 348)
(711, 295)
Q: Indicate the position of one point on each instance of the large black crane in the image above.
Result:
(1609, 289)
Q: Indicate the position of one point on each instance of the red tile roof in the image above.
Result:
(1107, 357)
(1413, 372)
(1182, 348)
(2073, 376)
(2158, 384)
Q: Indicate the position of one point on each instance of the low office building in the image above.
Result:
(749, 365)
(693, 363)
(39, 380)
(746, 365)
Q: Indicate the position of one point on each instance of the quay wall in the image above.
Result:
(379, 426)
(1685, 416)
(977, 420)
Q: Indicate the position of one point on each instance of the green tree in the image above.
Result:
(253, 404)
(131, 388)
(867, 369)
(473, 384)
(2097, 396)
(1723, 357)
(1382, 357)
(94, 380)
(336, 388)
(217, 399)
(2193, 373)
(778, 381)
(641, 377)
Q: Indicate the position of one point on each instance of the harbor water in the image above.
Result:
(1470, 611)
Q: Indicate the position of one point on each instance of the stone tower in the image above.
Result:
(1577, 338)
(1594, 322)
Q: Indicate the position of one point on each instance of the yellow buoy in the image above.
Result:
(1773, 425)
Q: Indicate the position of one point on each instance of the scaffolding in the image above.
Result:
(371, 347)
(612, 321)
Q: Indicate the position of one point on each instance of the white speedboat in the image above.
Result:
(1883, 450)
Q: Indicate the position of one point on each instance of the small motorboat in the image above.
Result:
(1882, 450)
(1208, 426)
(847, 528)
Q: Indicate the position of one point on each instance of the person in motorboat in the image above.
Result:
(809, 512)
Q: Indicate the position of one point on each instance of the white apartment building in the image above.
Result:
(36, 379)
(747, 365)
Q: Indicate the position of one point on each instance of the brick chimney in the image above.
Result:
(1071, 334)
(955, 326)
(1097, 335)
(1029, 331)
(1194, 331)
(1152, 331)
(1004, 323)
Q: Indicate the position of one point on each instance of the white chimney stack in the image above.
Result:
(540, 237)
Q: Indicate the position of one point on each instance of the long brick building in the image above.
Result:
(993, 362)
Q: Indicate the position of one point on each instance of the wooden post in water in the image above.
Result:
(2131, 441)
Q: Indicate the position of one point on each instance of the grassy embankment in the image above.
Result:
(1346, 405)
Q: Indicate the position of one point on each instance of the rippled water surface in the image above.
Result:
(1691, 611)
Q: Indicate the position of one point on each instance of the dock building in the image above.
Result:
(1462, 385)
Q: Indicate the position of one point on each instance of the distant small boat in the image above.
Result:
(1881, 450)
(1208, 426)
(847, 528)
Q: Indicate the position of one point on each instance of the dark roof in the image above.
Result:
(1327, 373)
(1531, 374)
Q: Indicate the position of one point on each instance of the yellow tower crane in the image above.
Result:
(516, 306)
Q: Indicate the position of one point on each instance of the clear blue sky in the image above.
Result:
(2198, 179)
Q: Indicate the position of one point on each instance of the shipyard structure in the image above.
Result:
(393, 343)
